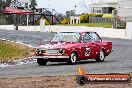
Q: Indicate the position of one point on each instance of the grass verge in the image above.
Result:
(104, 25)
(12, 51)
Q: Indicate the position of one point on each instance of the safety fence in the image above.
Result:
(99, 20)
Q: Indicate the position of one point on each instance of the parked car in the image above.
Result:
(71, 47)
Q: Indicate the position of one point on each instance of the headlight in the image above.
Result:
(62, 51)
(38, 51)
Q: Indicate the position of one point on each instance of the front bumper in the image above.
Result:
(47, 57)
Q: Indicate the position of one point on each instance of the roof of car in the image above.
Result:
(78, 32)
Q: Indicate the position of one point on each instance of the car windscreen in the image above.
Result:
(66, 37)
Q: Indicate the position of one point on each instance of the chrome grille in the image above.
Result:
(50, 51)
(53, 51)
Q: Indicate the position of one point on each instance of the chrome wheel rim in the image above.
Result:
(102, 55)
(73, 58)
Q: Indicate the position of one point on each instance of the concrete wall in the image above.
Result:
(104, 32)
(29, 28)
(129, 30)
(7, 27)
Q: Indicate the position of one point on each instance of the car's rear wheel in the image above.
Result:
(101, 56)
(73, 59)
(42, 62)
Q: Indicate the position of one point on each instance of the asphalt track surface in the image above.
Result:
(119, 61)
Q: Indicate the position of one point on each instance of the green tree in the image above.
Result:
(70, 13)
(65, 21)
(0, 5)
(8, 2)
(84, 18)
(5, 19)
(33, 4)
(67, 14)
(4, 3)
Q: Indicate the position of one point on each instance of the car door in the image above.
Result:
(87, 48)
(95, 44)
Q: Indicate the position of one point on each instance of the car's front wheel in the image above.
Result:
(73, 59)
(42, 62)
(101, 56)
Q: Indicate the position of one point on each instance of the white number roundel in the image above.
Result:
(87, 53)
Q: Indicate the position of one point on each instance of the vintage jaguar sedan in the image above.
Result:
(71, 47)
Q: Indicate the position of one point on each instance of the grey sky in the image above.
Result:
(62, 6)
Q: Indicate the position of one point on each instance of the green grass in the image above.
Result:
(104, 25)
(11, 51)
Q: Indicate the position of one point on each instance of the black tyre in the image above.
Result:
(81, 80)
(42, 62)
(73, 58)
(101, 56)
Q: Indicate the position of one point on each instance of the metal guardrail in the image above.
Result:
(118, 23)
(99, 20)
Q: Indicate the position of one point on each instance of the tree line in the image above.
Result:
(21, 19)
(13, 18)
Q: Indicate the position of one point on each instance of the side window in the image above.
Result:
(86, 38)
(94, 37)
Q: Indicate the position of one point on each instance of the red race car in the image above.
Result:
(72, 47)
